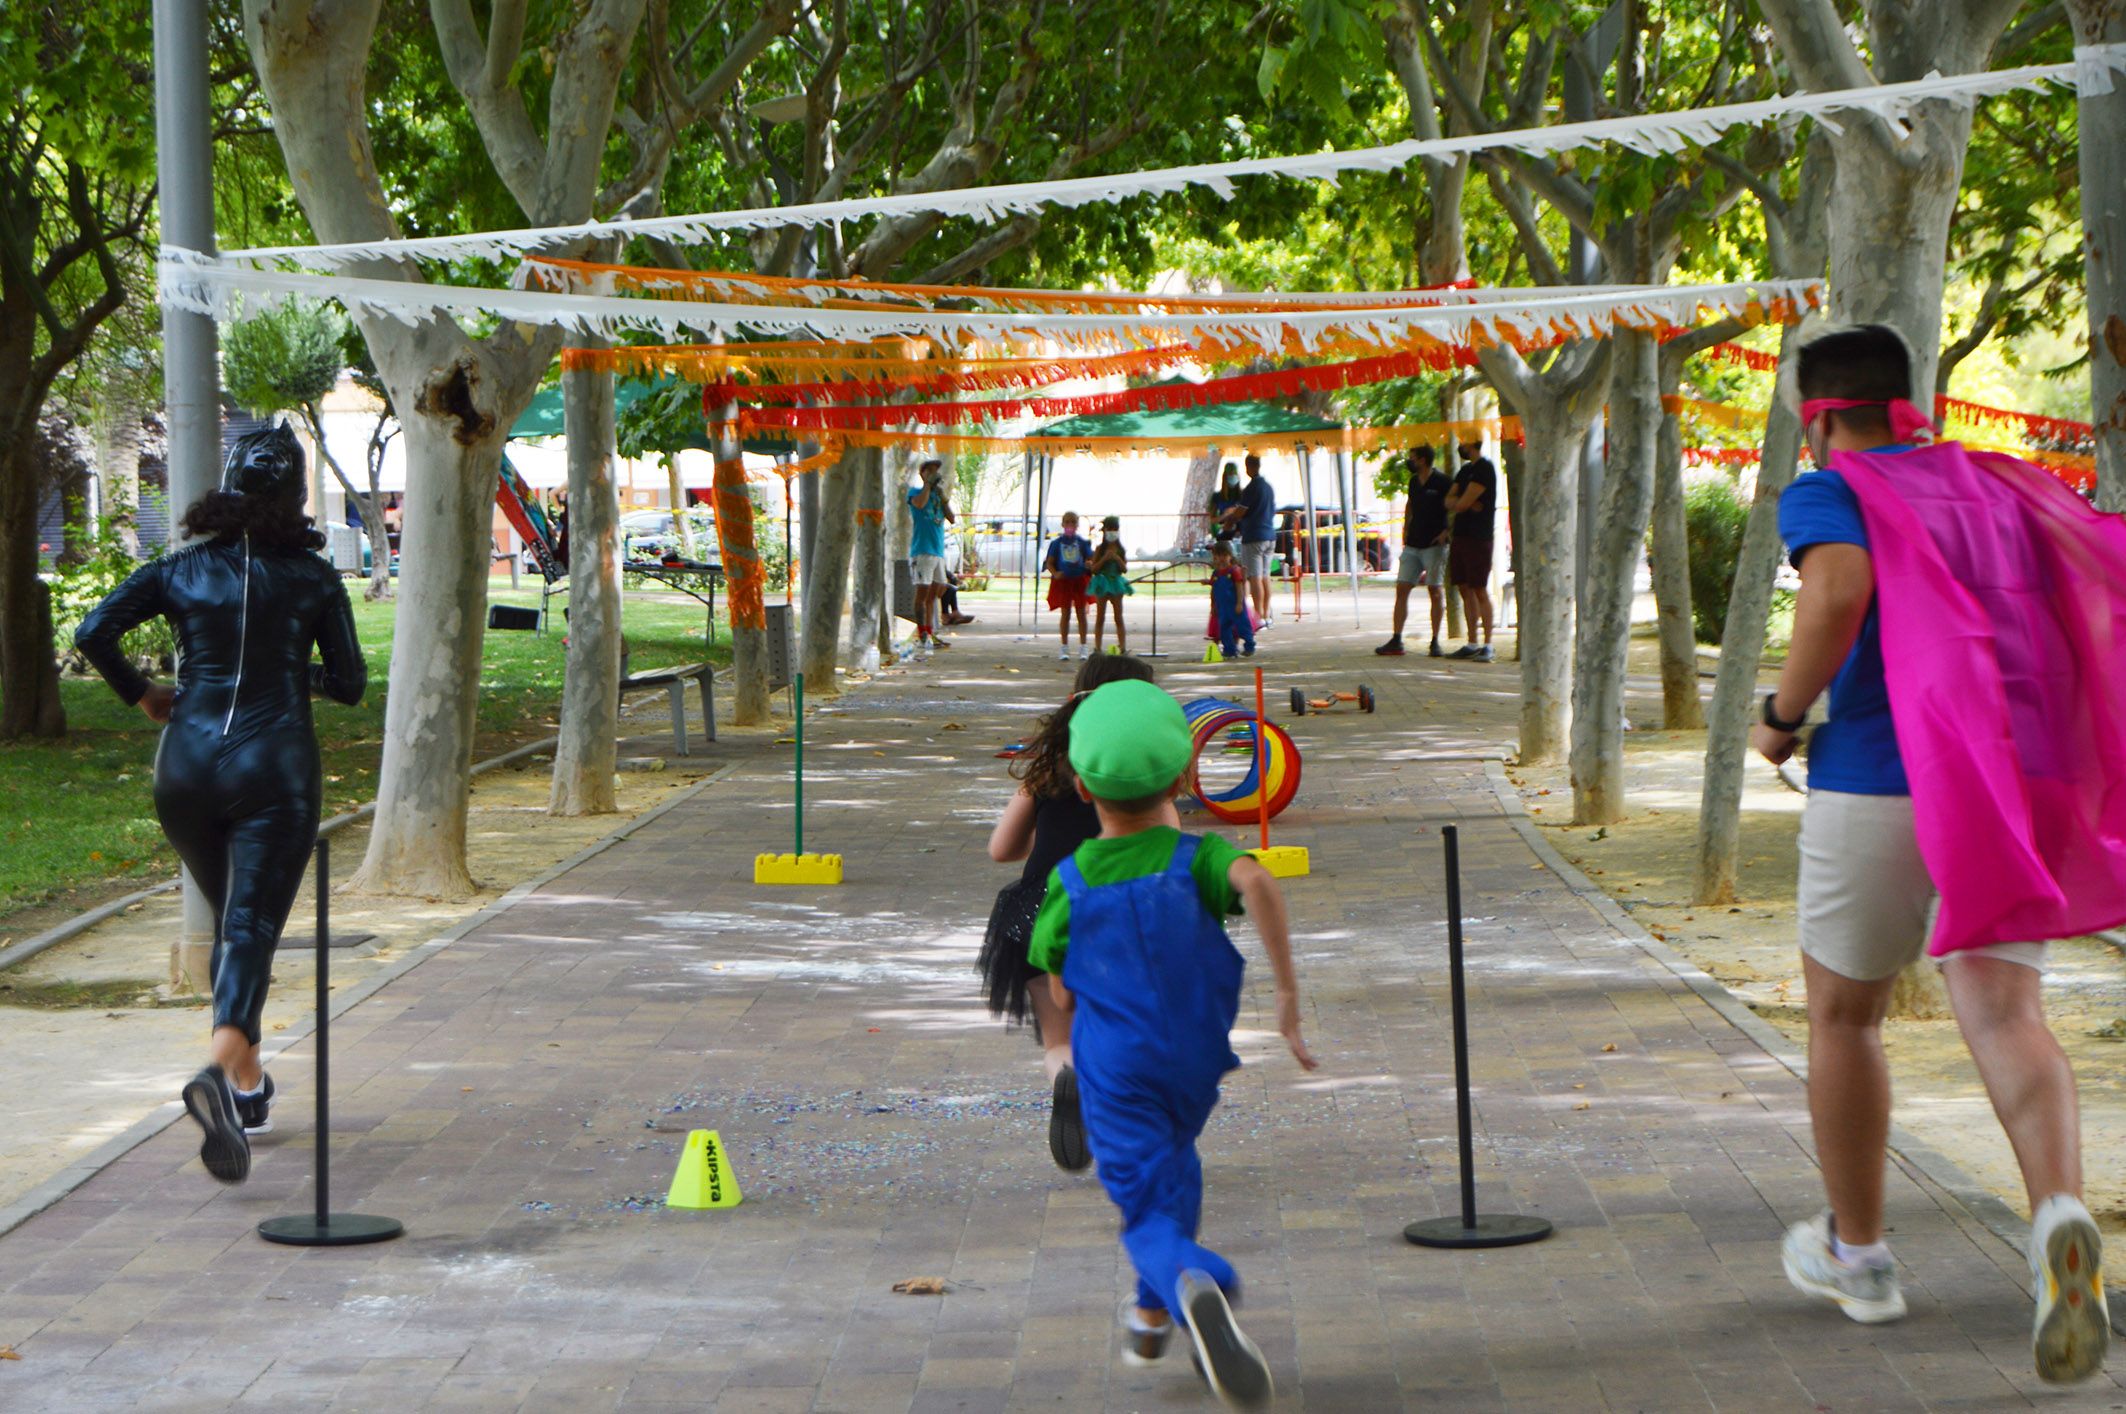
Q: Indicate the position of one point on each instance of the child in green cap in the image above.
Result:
(1132, 935)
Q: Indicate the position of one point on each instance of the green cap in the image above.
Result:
(1128, 740)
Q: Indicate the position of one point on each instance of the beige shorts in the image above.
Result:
(1866, 901)
(926, 569)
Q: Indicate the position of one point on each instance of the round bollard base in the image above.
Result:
(1491, 1230)
(337, 1230)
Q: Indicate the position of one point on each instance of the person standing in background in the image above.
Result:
(1069, 566)
(1255, 518)
(1473, 504)
(926, 551)
(1424, 558)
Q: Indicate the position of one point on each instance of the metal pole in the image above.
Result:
(324, 1035)
(1262, 775)
(191, 379)
(798, 707)
(1459, 1002)
(1348, 492)
(1022, 561)
(1469, 1228)
(1312, 539)
(1040, 513)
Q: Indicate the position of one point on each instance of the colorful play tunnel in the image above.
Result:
(1227, 726)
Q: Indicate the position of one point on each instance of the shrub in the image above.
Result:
(80, 587)
(1714, 517)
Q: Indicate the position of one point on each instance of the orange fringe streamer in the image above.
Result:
(745, 581)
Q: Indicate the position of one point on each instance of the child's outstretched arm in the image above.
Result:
(1265, 904)
(1012, 839)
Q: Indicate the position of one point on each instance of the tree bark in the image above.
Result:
(1894, 194)
(900, 535)
(827, 582)
(745, 582)
(1742, 651)
(868, 562)
(585, 755)
(1681, 707)
(417, 844)
(1603, 647)
(1556, 429)
(2103, 127)
(1194, 518)
(29, 668)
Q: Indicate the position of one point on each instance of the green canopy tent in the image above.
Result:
(543, 416)
(1215, 425)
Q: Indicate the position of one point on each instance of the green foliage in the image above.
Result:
(77, 588)
(1714, 518)
(286, 356)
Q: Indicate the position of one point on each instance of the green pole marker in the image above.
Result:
(800, 763)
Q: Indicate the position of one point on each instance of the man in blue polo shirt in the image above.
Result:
(1256, 517)
(929, 510)
(1864, 896)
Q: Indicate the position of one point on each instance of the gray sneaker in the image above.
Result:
(1484, 654)
(1868, 1294)
(2073, 1327)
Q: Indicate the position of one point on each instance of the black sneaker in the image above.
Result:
(1436, 653)
(1066, 1125)
(1228, 1361)
(256, 1108)
(212, 1104)
(1247, 650)
(1393, 648)
(1467, 650)
(1146, 1344)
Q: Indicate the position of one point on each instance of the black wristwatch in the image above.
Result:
(1771, 716)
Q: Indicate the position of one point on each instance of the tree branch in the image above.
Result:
(497, 111)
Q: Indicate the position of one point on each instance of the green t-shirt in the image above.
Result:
(1135, 856)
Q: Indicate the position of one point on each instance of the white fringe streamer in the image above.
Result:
(2092, 69)
(221, 290)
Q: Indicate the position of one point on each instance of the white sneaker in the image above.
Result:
(2073, 1326)
(1081, 650)
(1063, 654)
(1868, 1294)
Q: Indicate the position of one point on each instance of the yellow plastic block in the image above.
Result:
(1284, 861)
(704, 1178)
(797, 869)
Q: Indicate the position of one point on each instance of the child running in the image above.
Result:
(1110, 583)
(1044, 824)
(1229, 602)
(1069, 566)
(1132, 936)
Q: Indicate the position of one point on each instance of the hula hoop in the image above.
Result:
(1211, 719)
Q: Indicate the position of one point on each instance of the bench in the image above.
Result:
(674, 681)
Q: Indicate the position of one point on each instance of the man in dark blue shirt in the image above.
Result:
(1256, 515)
(1424, 557)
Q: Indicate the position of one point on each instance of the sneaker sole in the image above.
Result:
(1868, 1313)
(223, 1148)
(2074, 1334)
(1231, 1365)
(1066, 1126)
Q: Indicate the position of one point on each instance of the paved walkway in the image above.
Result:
(519, 1100)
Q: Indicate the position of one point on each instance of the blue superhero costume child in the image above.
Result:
(1131, 934)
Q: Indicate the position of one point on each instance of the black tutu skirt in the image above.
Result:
(1006, 973)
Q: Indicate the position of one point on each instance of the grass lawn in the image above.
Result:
(77, 814)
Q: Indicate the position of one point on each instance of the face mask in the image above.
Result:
(1109, 536)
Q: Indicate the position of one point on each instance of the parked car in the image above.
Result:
(1001, 546)
(650, 535)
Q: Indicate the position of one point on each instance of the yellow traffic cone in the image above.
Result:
(1211, 653)
(704, 1178)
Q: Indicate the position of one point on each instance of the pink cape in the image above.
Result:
(2002, 597)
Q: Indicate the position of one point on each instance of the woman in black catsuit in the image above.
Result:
(1044, 824)
(237, 782)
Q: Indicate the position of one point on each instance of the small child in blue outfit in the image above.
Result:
(1132, 937)
(1229, 601)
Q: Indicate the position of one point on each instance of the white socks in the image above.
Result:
(1865, 1254)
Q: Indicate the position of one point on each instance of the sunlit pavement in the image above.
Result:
(520, 1098)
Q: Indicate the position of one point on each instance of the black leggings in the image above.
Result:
(242, 815)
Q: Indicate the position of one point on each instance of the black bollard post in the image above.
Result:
(326, 1228)
(1471, 1228)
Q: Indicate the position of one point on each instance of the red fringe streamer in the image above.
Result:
(1251, 387)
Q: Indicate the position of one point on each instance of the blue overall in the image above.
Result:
(1157, 984)
(1234, 626)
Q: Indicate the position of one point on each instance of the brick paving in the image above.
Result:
(519, 1100)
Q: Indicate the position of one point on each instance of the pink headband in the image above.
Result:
(1907, 422)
